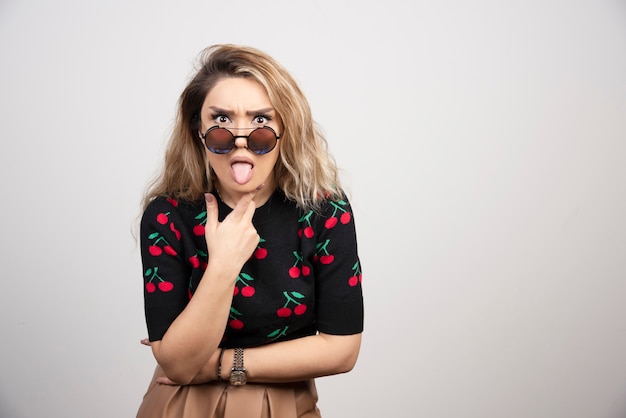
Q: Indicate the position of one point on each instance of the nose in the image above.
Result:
(241, 141)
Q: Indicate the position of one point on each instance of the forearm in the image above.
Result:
(296, 360)
(186, 347)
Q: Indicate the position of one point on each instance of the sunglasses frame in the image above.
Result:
(234, 139)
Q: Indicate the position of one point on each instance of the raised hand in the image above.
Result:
(234, 239)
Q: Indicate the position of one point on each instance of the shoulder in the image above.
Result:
(336, 205)
(162, 203)
(163, 208)
(332, 212)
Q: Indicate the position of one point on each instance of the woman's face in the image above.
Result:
(241, 105)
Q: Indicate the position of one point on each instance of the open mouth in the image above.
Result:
(241, 171)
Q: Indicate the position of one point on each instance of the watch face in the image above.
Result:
(238, 378)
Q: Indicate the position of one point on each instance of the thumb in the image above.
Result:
(211, 212)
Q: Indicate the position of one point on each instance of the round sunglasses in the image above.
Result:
(221, 141)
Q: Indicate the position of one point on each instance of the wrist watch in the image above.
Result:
(238, 372)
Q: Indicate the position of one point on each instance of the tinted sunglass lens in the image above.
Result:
(219, 141)
(261, 140)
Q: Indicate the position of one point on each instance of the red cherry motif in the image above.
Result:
(175, 231)
(339, 206)
(234, 322)
(300, 309)
(194, 261)
(295, 270)
(173, 202)
(247, 291)
(198, 229)
(285, 311)
(308, 232)
(163, 286)
(162, 218)
(356, 277)
(322, 254)
(166, 286)
(155, 250)
(330, 222)
(260, 252)
(308, 229)
(245, 280)
(235, 291)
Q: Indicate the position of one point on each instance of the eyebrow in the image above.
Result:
(248, 113)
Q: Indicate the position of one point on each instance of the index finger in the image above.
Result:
(246, 206)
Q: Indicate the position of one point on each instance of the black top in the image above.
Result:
(303, 277)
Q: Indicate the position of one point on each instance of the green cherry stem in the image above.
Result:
(290, 299)
(337, 207)
(322, 247)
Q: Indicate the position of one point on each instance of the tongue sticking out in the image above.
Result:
(241, 172)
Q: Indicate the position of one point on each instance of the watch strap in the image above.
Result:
(238, 360)
(238, 372)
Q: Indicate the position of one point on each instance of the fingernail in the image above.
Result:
(208, 197)
(260, 187)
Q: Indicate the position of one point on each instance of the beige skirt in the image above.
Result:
(221, 400)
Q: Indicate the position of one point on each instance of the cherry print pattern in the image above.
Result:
(154, 248)
(344, 218)
(321, 237)
(175, 231)
(321, 253)
(233, 319)
(357, 277)
(247, 290)
(277, 333)
(162, 218)
(299, 309)
(260, 253)
(198, 229)
(298, 267)
(196, 259)
(307, 229)
(162, 285)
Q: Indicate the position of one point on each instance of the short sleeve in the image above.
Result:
(165, 271)
(339, 296)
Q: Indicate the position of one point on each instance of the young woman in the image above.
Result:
(251, 274)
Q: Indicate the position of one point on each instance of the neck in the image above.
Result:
(230, 197)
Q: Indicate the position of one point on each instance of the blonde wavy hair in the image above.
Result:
(305, 171)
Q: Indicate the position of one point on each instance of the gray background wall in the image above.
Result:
(483, 145)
